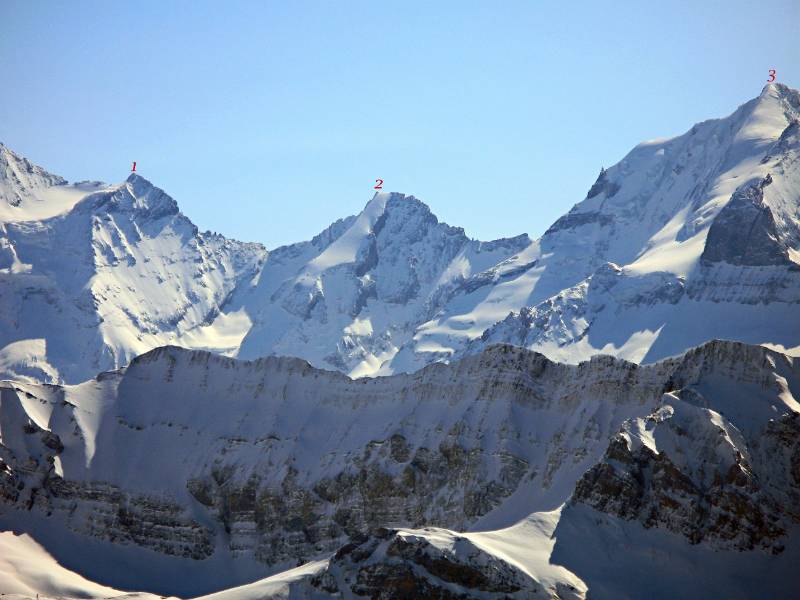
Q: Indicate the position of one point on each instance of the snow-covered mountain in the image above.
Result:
(652, 262)
(363, 289)
(685, 240)
(502, 475)
(92, 275)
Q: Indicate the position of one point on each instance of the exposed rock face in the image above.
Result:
(385, 485)
(573, 220)
(603, 185)
(405, 564)
(108, 513)
(425, 564)
(701, 467)
(98, 509)
(745, 231)
(648, 486)
(440, 447)
(279, 462)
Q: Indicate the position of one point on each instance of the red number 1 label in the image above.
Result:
(133, 170)
(379, 184)
(771, 76)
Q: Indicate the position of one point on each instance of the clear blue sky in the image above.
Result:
(267, 121)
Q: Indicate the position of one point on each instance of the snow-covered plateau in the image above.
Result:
(395, 410)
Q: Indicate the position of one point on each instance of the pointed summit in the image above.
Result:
(779, 90)
(138, 184)
(771, 89)
(762, 120)
(148, 199)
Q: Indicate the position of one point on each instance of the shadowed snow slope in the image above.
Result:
(684, 240)
(188, 472)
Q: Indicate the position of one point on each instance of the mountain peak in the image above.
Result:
(778, 90)
(771, 89)
(21, 173)
(149, 199)
(134, 177)
(778, 101)
(379, 201)
(27, 191)
(139, 185)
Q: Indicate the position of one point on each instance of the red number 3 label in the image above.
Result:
(771, 76)
(379, 184)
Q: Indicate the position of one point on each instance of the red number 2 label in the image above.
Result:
(771, 76)
(379, 184)
(133, 169)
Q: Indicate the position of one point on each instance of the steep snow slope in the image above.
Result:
(89, 282)
(223, 470)
(28, 571)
